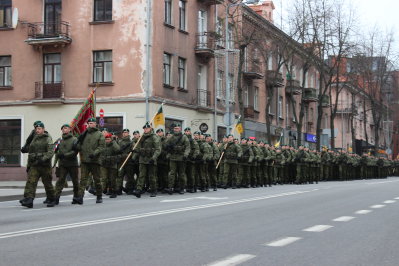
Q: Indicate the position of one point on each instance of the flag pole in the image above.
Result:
(135, 145)
(225, 145)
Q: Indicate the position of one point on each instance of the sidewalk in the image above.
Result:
(14, 190)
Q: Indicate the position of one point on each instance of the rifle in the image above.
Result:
(221, 156)
(25, 148)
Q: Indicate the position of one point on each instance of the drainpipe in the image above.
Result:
(148, 61)
(215, 82)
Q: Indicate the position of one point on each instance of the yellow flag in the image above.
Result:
(159, 119)
(239, 126)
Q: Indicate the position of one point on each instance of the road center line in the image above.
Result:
(344, 219)
(233, 260)
(382, 182)
(389, 201)
(377, 206)
(363, 211)
(318, 228)
(283, 242)
(143, 215)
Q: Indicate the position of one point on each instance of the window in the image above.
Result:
(52, 68)
(5, 71)
(182, 73)
(5, 14)
(280, 107)
(231, 87)
(168, 12)
(219, 32)
(10, 142)
(221, 132)
(102, 10)
(246, 98)
(114, 124)
(230, 44)
(256, 98)
(270, 62)
(102, 66)
(219, 84)
(182, 15)
(167, 61)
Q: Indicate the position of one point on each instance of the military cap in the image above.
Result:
(108, 135)
(244, 138)
(187, 129)
(225, 136)
(208, 135)
(65, 125)
(36, 122)
(126, 130)
(177, 125)
(261, 141)
(229, 135)
(252, 138)
(136, 132)
(39, 124)
(147, 125)
(91, 119)
(159, 130)
(197, 133)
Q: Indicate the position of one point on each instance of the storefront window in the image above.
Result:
(10, 142)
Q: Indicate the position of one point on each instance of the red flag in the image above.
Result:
(88, 110)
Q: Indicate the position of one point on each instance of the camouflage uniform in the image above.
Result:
(109, 160)
(244, 169)
(206, 154)
(232, 153)
(212, 173)
(125, 147)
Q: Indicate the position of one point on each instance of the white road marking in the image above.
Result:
(377, 206)
(233, 260)
(318, 228)
(188, 199)
(344, 219)
(40, 209)
(397, 198)
(212, 198)
(382, 182)
(389, 201)
(144, 215)
(363, 212)
(283, 242)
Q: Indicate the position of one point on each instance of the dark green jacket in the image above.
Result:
(194, 149)
(232, 153)
(178, 147)
(66, 148)
(206, 152)
(148, 149)
(109, 156)
(93, 144)
(41, 150)
(215, 151)
(247, 155)
(163, 157)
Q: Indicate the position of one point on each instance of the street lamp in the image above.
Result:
(227, 49)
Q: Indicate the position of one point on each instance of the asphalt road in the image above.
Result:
(330, 223)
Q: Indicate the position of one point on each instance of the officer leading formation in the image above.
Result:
(178, 162)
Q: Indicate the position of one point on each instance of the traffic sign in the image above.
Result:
(101, 122)
(101, 112)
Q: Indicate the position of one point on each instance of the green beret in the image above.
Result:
(159, 130)
(92, 119)
(197, 133)
(229, 135)
(136, 132)
(39, 124)
(177, 125)
(126, 130)
(187, 129)
(147, 125)
(36, 122)
(65, 125)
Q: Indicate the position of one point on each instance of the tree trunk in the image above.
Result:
(239, 85)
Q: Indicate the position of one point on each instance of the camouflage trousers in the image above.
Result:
(147, 172)
(162, 171)
(243, 177)
(230, 174)
(191, 172)
(177, 174)
(64, 171)
(202, 175)
(85, 170)
(110, 174)
(127, 171)
(212, 175)
(34, 174)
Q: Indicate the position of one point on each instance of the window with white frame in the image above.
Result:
(168, 12)
(231, 87)
(280, 107)
(167, 63)
(5, 71)
(219, 32)
(256, 98)
(246, 96)
(270, 62)
(102, 66)
(5, 14)
(182, 73)
(219, 84)
(182, 15)
(230, 45)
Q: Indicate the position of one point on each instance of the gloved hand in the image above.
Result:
(24, 149)
(61, 155)
(151, 161)
(91, 156)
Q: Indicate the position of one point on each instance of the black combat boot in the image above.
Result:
(99, 199)
(57, 200)
(27, 202)
(92, 191)
(79, 200)
(46, 201)
(137, 193)
(113, 194)
(153, 193)
(51, 203)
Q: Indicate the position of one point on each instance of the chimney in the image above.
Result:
(265, 9)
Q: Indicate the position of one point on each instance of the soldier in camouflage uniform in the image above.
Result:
(313, 167)
(206, 154)
(221, 161)
(125, 146)
(147, 152)
(91, 145)
(279, 164)
(232, 153)
(288, 160)
(254, 164)
(269, 163)
(66, 155)
(191, 168)
(301, 158)
(258, 156)
(135, 161)
(212, 174)
(109, 161)
(41, 150)
(244, 169)
(163, 163)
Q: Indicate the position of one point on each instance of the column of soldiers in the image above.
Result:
(179, 162)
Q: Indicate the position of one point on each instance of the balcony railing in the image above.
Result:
(325, 101)
(252, 69)
(274, 78)
(204, 98)
(310, 95)
(205, 45)
(293, 87)
(211, 2)
(249, 111)
(49, 33)
(49, 90)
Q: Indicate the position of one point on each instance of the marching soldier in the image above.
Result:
(301, 158)
(109, 160)
(40, 150)
(221, 163)
(66, 155)
(206, 154)
(232, 153)
(244, 169)
(91, 145)
(125, 143)
(147, 152)
(191, 169)
(279, 164)
(135, 164)
(163, 162)
(212, 174)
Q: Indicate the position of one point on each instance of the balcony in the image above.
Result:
(293, 87)
(252, 70)
(249, 111)
(211, 2)
(203, 100)
(310, 95)
(325, 101)
(49, 34)
(205, 45)
(274, 79)
(49, 92)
